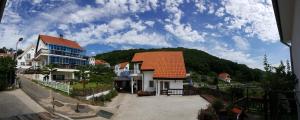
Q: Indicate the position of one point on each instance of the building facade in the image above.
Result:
(158, 72)
(65, 55)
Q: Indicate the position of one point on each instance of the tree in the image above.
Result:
(83, 74)
(101, 74)
(195, 77)
(278, 81)
(48, 70)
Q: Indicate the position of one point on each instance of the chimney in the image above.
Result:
(61, 36)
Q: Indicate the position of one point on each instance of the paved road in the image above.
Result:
(38, 92)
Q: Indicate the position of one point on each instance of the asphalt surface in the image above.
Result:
(16, 102)
(38, 92)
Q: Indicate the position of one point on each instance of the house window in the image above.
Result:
(151, 83)
(167, 85)
(28, 56)
(23, 63)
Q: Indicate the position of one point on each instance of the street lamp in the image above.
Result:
(20, 39)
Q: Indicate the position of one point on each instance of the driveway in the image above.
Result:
(131, 107)
(16, 102)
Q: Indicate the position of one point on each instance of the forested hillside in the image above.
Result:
(196, 60)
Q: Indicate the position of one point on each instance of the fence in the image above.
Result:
(57, 85)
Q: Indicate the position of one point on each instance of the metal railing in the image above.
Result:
(57, 85)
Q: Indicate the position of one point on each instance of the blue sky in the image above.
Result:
(238, 30)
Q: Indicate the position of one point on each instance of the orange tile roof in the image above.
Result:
(99, 62)
(165, 64)
(224, 76)
(60, 41)
(123, 65)
(236, 110)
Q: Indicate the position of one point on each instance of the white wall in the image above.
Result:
(147, 77)
(41, 45)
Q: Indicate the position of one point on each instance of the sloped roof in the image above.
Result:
(165, 64)
(99, 62)
(26, 50)
(60, 41)
(123, 65)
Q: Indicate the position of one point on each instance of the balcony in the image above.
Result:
(135, 73)
(42, 51)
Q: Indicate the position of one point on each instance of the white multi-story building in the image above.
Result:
(65, 54)
(25, 60)
(160, 72)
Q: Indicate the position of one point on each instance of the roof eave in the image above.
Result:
(279, 22)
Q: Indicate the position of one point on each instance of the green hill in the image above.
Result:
(196, 60)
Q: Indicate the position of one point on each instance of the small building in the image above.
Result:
(93, 61)
(158, 72)
(225, 77)
(25, 60)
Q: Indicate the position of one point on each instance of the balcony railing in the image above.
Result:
(46, 51)
(134, 72)
(42, 51)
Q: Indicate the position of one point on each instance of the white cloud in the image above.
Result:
(36, 1)
(150, 23)
(111, 8)
(184, 32)
(220, 12)
(200, 4)
(211, 8)
(241, 43)
(255, 17)
(175, 27)
(134, 38)
(209, 26)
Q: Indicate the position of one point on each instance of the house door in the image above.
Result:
(161, 85)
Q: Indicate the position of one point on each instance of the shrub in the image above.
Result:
(207, 114)
(218, 105)
(7, 72)
(145, 93)
(108, 96)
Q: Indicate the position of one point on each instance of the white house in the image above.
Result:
(122, 68)
(67, 55)
(159, 72)
(25, 60)
(287, 14)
